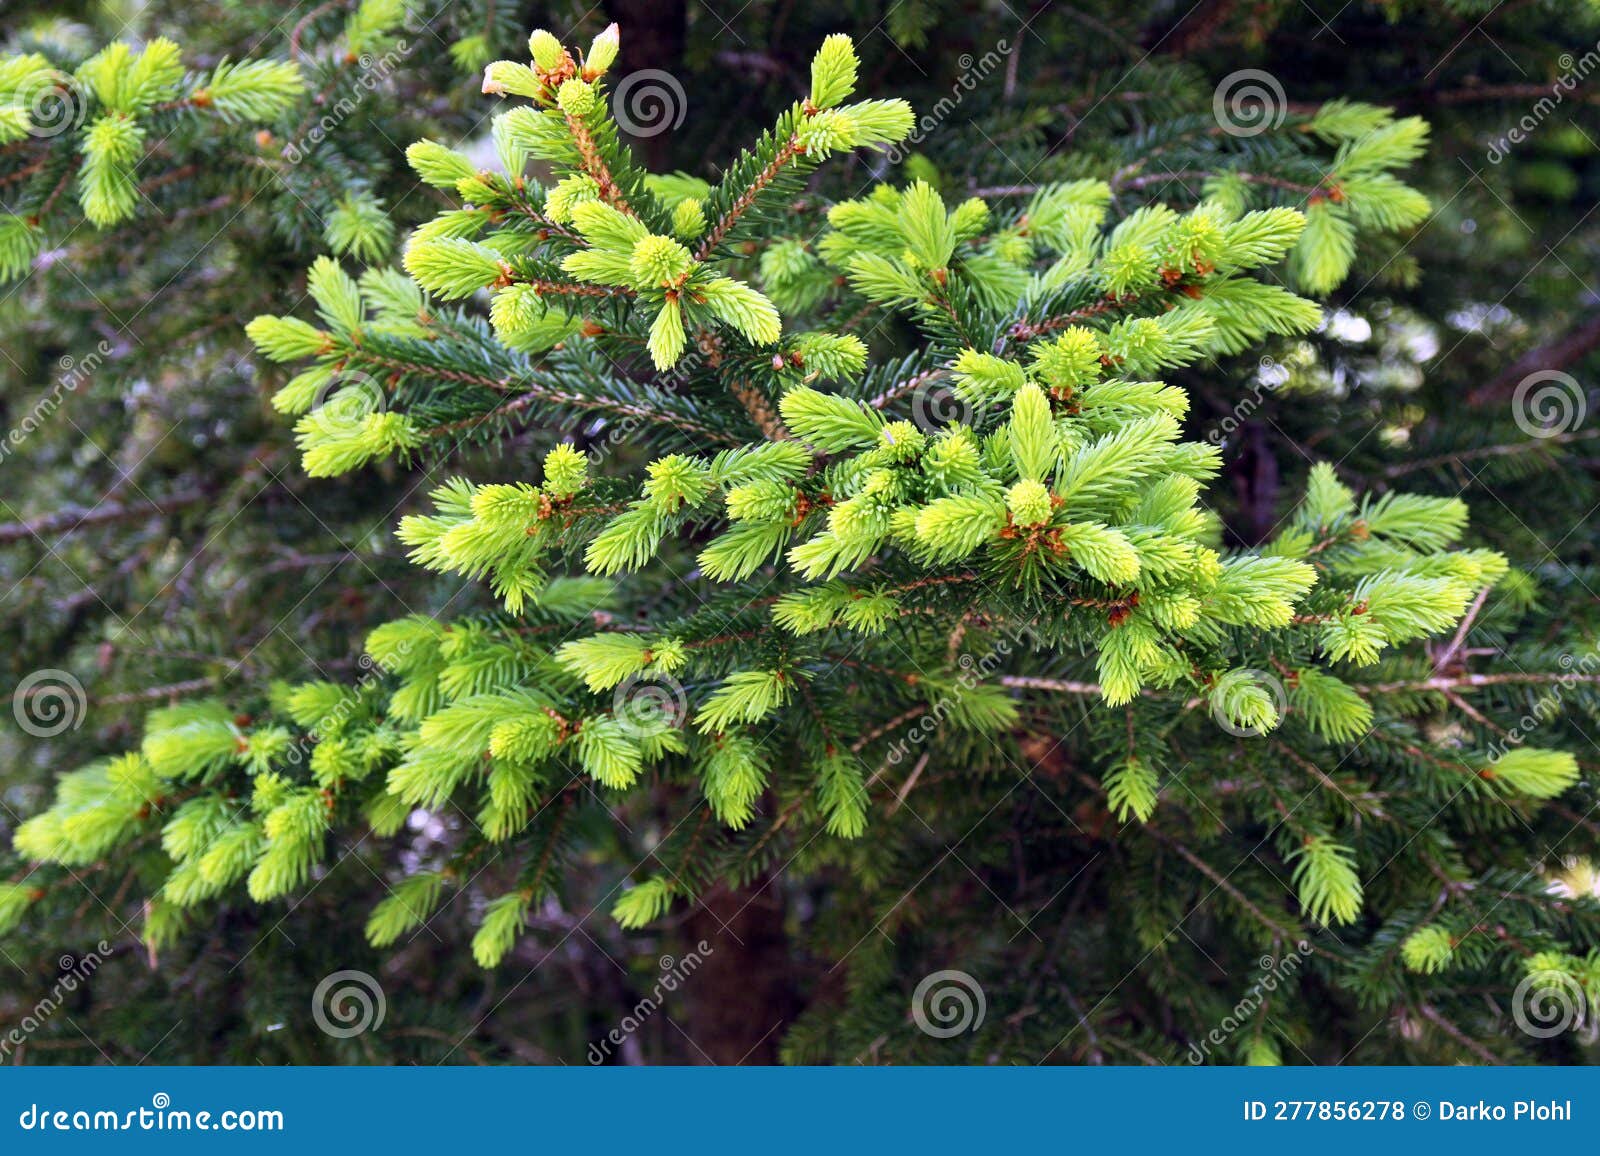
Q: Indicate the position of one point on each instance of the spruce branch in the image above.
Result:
(693, 573)
(791, 149)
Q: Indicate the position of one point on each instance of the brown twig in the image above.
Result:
(73, 518)
(747, 198)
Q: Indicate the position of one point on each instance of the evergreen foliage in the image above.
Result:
(907, 456)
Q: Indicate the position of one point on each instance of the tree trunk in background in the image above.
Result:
(1257, 485)
(654, 35)
(741, 997)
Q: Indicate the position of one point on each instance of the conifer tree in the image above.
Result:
(840, 520)
(157, 540)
